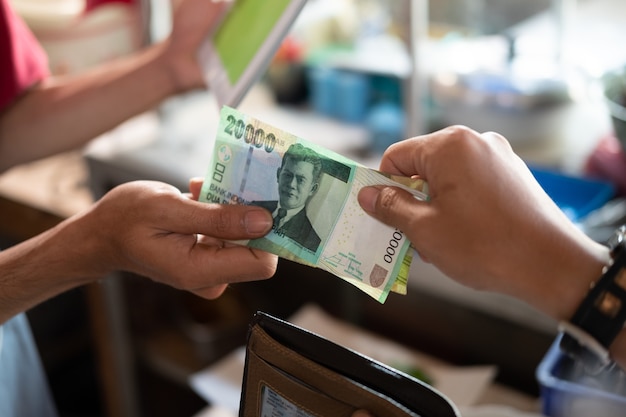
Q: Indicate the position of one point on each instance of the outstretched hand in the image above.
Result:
(153, 230)
(488, 223)
(193, 22)
(148, 228)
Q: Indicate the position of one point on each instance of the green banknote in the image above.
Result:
(312, 195)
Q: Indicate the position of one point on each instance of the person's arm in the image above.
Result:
(489, 224)
(148, 228)
(63, 113)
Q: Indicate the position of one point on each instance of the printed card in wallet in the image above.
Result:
(291, 372)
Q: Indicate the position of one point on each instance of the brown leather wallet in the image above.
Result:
(291, 372)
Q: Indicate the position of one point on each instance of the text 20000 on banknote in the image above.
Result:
(312, 195)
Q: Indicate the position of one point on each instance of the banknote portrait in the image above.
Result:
(312, 194)
(303, 184)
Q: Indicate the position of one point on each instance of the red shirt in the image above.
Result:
(23, 62)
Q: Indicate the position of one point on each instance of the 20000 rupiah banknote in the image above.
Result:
(312, 195)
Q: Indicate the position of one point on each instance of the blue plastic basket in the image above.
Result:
(567, 391)
(576, 196)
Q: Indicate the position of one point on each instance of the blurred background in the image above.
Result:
(354, 76)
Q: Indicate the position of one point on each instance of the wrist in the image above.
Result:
(182, 71)
(577, 278)
(91, 254)
(598, 321)
(44, 266)
(562, 272)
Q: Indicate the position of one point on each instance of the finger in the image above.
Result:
(211, 293)
(410, 157)
(392, 206)
(195, 187)
(216, 11)
(208, 240)
(399, 158)
(228, 222)
(497, 140)
(204, 267)
(218, 266)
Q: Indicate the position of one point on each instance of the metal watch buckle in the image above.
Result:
(617, 242)
(583, 347)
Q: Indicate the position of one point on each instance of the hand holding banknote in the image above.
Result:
(312, 195)
(488, 223)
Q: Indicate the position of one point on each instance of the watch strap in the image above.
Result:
(602, 313)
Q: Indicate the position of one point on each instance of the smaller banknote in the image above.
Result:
(312, 195)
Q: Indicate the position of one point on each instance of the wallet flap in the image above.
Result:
(408, 392)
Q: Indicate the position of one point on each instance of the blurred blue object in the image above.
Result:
(576, 196)
(386, 125)
(338, 93)
(322, 90)
(352, 96)
(567, 390)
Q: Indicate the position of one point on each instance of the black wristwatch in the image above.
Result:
(601, 315)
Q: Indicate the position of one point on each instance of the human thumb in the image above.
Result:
(391, 205)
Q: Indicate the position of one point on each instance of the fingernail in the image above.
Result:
(257, 221)
(367, 198)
